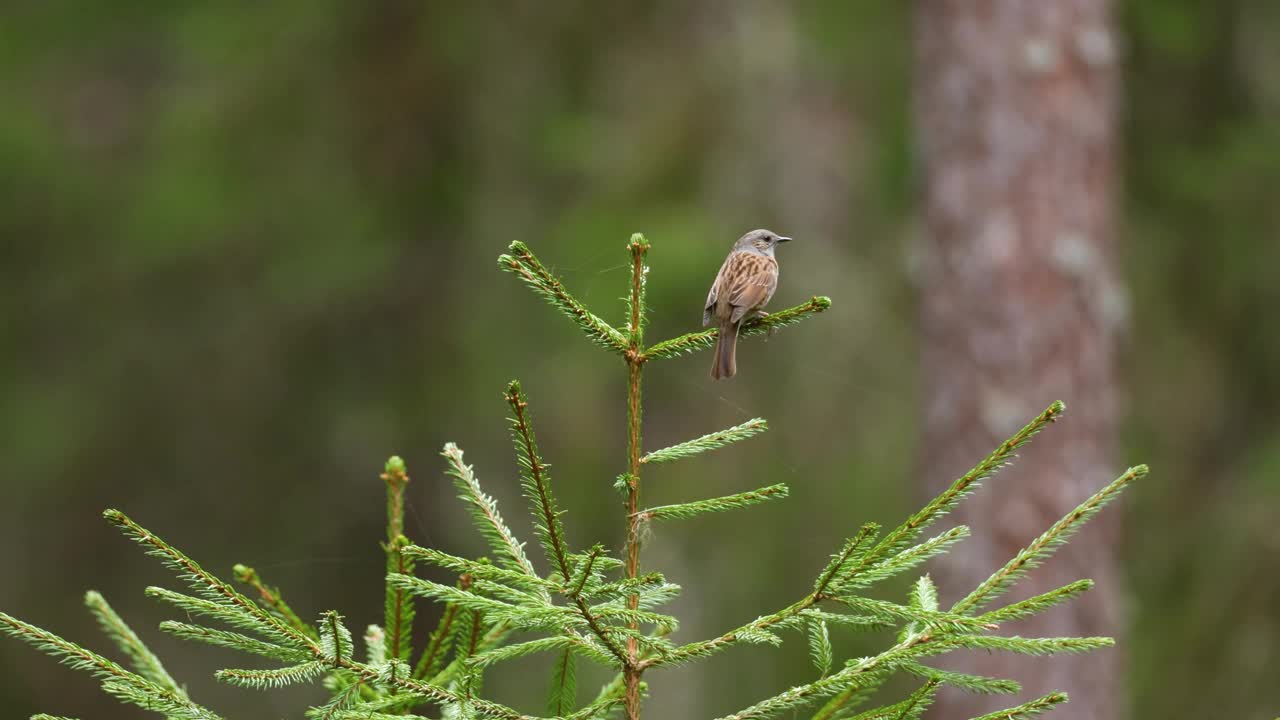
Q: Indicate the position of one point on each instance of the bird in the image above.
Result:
(745, 283)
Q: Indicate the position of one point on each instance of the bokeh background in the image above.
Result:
(247, 251)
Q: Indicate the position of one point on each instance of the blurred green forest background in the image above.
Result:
(249, 252)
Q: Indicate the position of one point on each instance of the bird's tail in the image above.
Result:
(725, 364)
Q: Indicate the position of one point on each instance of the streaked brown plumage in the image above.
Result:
(743, 286)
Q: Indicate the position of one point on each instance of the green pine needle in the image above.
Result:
(1035, 707)
(271, 598)
(712, 505)
(144, 661)
(900, 536)
(820, 646)
(213, 589)
(1045, 545)
(398, 612)
(484, 511)
(271, 679)
(1034, 646)
(522, 263)
(536, 481)
(711, 441)
(563, 694)
(1037, 604)
(120, 683)
(233, 640)
(836, 567)
(977, 684)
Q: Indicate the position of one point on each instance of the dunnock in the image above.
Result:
(746, 282)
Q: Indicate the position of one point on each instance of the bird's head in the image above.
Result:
(761, 241)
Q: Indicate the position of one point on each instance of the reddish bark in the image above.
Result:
(1021, 305)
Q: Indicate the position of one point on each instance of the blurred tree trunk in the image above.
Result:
(1020, 305)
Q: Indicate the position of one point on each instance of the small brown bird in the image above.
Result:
(744, 285)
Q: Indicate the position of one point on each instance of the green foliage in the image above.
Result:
(590, 605)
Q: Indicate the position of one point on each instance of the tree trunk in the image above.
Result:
(1020, 305)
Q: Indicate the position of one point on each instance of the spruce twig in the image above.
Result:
(144, 661)
(536, 482)
(399, 611)
(963, 485)
(484, 511)
(272, 599)
(711, 505)
(633, 670)
(127, 686)
(711, 441)
(522, 263)
(1045, 545)
(705, 339)
(1031, 709)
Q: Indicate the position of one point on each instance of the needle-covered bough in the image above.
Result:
(582, 603)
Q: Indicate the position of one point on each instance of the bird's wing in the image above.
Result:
(709, 308)
(754, 286)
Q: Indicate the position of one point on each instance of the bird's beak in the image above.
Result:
(783, 239)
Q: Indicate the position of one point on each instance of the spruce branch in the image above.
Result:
(852, 697)
(336, 646)
(860, 623)
(705, 339)
(273, 678)
(477, 569)
(1033, 646)
(883, 609)
(632, 669)
(271, 598)
(903, 561)
(977, 684)
(1037, 604)
(518, 650)
(563, 694)
(522, 263)
(235, 641)
(1031, 709)
(484, 511)
(576, 584)
(711, 441)
(965, 484)
(140, 656)
(1044, 546)
(854, 673)
(536, 482)
(820, 646)
(398, 611)
(204, 583)
(638, 247)
(231, 616)
(119, 682)
(835, 568)
(712, 505)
